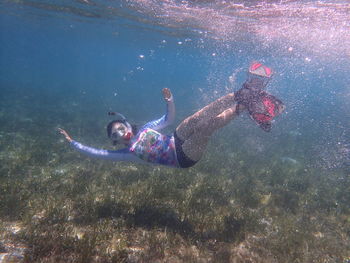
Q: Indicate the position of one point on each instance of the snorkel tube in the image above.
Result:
(113, 113)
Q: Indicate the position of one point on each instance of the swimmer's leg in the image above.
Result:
(195, 145)
(191, 124)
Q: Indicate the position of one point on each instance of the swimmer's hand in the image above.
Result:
(166, 94)
(65, 134)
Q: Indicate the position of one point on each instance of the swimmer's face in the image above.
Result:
(121, 133)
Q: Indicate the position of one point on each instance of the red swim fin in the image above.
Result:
(265, 109)
(259, 69)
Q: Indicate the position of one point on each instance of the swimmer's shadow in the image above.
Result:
(147, 217)
(150, 217)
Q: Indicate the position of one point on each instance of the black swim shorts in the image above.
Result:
(183, 160)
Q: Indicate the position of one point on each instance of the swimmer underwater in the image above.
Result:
(185, 147)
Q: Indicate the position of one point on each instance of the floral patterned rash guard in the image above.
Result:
(153, 147)
(148, 145)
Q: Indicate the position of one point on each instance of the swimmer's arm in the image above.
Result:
(119, 155)
(169, 116)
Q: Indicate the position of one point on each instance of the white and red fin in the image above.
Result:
(259, 69)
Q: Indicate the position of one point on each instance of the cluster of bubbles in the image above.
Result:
(317, 27)
(320, 27)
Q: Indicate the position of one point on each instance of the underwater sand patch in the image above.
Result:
(11, 251)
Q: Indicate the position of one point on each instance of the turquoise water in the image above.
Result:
(283, 195)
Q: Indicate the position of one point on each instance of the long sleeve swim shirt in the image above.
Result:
(148, 145)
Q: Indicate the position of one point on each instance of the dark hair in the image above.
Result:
(110, 126)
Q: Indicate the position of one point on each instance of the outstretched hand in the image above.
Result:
(166, 94)
(65, 134)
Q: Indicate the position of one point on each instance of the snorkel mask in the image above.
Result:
(258, 76)
(121, 132)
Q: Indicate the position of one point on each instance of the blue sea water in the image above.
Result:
(67, 63)
(96, 57)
